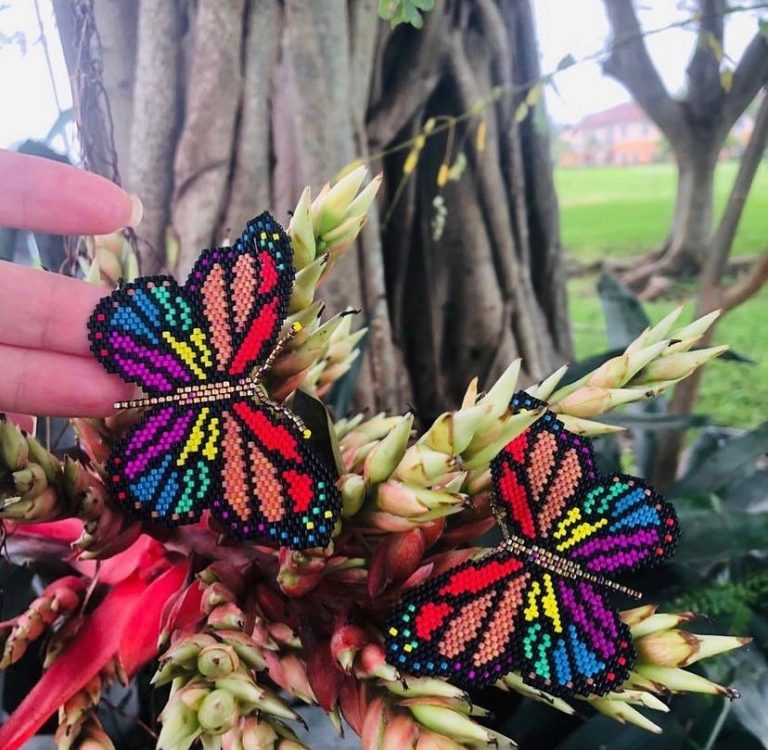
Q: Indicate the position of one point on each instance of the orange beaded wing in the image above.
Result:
(209, 439)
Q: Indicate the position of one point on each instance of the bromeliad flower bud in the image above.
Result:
(422, 466)
(352, 488)
(677, 366)
(674, 680)
(14, 451)
(678, 648)
(347, 640)
(382, 461)
(301, 232)
(218, 712)
(226, 617)
(243, 689)
(300, 571)
(447, 721)
(372, 662)
(624, 713)
(35, 509)
(217, 661)
(589, 401)
(59, 599)
(180, 726)
(330, 208)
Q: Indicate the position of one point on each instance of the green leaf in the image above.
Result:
(568, 61)
(424, 4)
(388, 8)
(711, 536)
(643, 421)
(624, 316)
(717, 469)
(752, 683)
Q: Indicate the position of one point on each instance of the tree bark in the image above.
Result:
(236, 106)
(713, 295)
(694, 204)
(695, 125)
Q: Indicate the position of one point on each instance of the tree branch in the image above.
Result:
(722, 242)
(751, 284)
(631, 65)
(705, 90)
(750, 75)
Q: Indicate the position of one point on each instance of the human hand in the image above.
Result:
(46, 367)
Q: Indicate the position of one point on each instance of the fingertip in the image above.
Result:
(137, 210)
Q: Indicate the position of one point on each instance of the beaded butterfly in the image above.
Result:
(211, 437)
(537, 603)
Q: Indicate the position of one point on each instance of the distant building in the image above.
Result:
(624, 134)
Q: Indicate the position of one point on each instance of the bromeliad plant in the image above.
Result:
(240, 631)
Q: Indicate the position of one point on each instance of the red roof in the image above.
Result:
(621, 114)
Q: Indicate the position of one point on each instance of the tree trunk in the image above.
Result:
(235, 106)
(692, 220)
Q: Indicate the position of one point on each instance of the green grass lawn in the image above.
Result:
(623, 211)
(619, 212)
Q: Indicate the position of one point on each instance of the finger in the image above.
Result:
(41, 310)
(57, 385)
(47, 196)
(25, 421)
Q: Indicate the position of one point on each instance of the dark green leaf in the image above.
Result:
(713, 536)
(566, 62)
(721, 467)
(749, 492)
(645, 421)
(340, 399)
(579, 369)
(751, 670)
(733, 356)
(315, 417)
(625, 318)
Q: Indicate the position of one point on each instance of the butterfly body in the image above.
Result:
(211, 436)
(538, 602)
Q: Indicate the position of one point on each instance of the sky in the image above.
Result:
(578, 27)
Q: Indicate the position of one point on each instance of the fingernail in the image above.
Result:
(137, 211)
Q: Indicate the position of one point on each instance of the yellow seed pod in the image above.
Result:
(411, 161)
(482, 130)
(442, 174)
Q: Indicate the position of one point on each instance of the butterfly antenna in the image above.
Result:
(265, 400)
(284, 340)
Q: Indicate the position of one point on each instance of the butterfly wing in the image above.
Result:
(619, 525)
(243, 293)
(570, 641)
(164, 467)
(539, 473)
(548, 490)
(274, 487)
(486, 617)
(462, 624)
(151, 332)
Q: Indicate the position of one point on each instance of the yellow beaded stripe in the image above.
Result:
(197, 435)
(188, 355)
(198, 339)
(582, 531)
(548, 603)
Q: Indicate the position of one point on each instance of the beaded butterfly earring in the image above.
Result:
(212, 437)
(537, 603)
